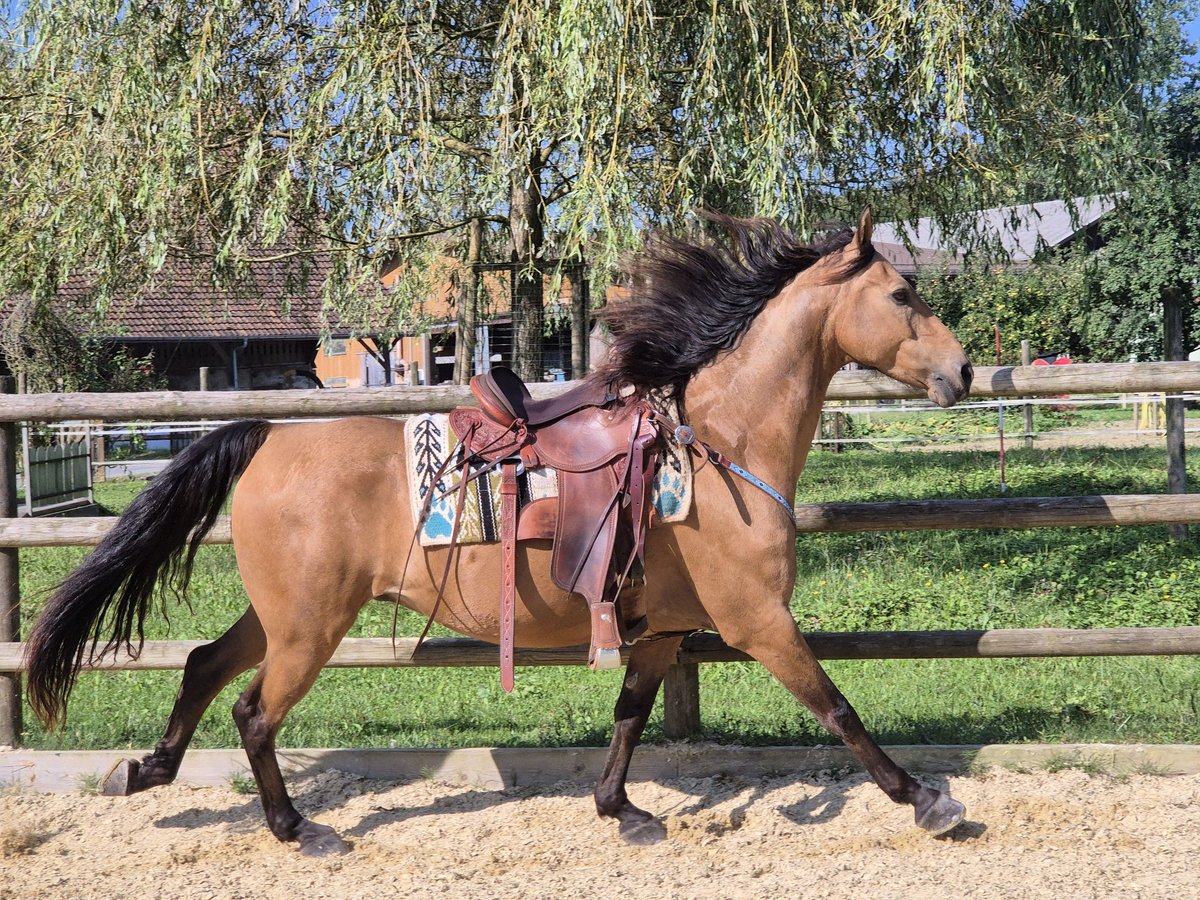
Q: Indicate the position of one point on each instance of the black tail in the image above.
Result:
(158, 536)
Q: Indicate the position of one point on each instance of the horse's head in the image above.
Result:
(880, 322)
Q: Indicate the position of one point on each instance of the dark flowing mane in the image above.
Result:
(689, 301)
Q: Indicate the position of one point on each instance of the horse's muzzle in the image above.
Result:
(947, 387)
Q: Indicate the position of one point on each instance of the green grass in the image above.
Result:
(935, 423)
(967, 579)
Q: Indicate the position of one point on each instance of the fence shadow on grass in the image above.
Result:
(1015, 725)
(975, 475)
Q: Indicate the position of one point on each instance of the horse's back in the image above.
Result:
(331, 466)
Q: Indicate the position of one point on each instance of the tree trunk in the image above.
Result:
(385, 360)
(1173, 344)
(525, 214)
(381, 352)
(468, 306)
(580, 332)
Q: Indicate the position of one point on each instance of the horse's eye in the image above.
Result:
(901, 296)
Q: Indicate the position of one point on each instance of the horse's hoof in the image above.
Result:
(941, 815)
(119, 780)
(643, 832)
(322, 841)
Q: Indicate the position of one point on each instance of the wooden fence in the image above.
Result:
(681, 689)
(57, 477)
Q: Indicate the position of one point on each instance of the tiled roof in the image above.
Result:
(1022, 231)
(909, 263)
(182, 302)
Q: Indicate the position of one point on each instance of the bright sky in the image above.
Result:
(11, 9)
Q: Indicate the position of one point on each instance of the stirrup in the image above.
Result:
(605, 658)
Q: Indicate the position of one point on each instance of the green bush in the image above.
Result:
(1037, 305)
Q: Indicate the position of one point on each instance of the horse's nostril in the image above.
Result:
(968, 375)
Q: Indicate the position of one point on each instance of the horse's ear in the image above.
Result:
(862, 236)
(859, 250)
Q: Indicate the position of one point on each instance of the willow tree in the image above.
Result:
(353, 132)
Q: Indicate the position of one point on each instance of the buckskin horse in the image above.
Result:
(745, 335)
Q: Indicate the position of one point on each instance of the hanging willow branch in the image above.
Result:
(231, 127)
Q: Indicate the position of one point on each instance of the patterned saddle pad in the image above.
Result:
(429, 440)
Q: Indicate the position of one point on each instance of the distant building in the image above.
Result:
(1021, 233)
(428, 358)
(262, 334)
(268, 333)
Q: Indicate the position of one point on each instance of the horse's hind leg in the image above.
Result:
(208, 669)
(289, 670)
(778, 644)
(648, 663)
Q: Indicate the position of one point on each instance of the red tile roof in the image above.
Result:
(182, 302)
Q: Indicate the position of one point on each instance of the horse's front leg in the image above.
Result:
(772, 637)
(648, 663)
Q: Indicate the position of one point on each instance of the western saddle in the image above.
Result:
(604, 447)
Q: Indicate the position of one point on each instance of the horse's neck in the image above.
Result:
(761, 402)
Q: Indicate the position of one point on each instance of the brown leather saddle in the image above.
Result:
(604, 447)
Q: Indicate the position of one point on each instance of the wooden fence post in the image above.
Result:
(1027, 359)
(681, 701)
(10, 597)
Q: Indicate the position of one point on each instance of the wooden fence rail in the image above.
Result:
(903, 515)
(991, 381)
(681, 691)
(374, 653)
